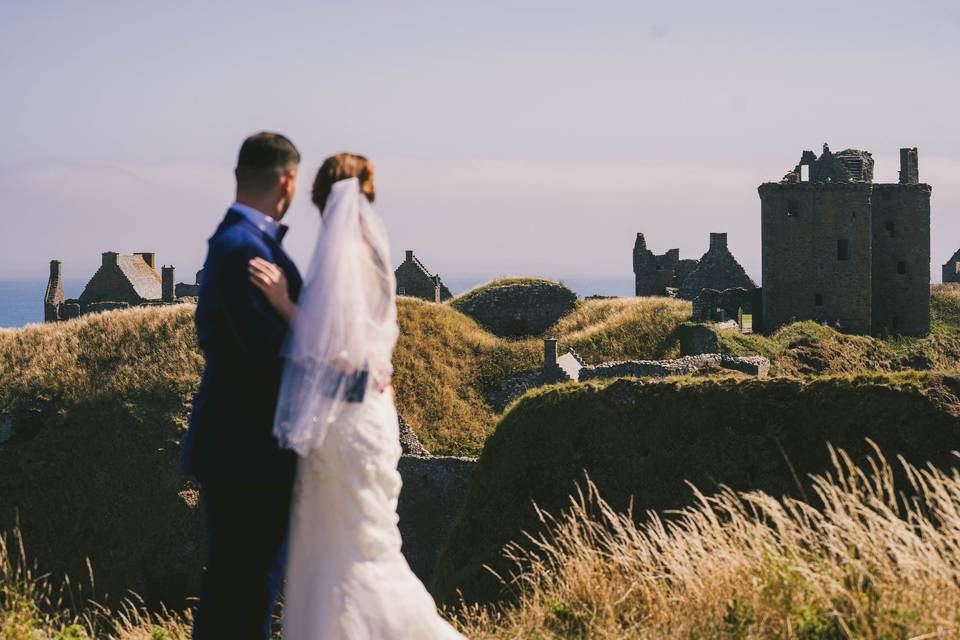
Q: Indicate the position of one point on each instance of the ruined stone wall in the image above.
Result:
(804, 277)
(901, 259)
(434, 490)
(951, 270)
(653, 273)
(753, 365)
(717, 269)
(413, 279)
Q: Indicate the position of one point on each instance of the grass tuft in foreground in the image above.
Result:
(747, 565)
(33, 608)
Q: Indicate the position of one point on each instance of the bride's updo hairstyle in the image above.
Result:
(340, 167)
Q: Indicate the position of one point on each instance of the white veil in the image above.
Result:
(342, 336)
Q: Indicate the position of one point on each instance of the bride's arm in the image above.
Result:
(269, 279)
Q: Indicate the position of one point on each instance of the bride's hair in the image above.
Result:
(340, 167)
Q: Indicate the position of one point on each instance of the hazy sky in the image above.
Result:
(510, 137)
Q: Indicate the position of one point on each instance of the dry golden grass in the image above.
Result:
(32, 607)
(746, 565)
(125, 352)
(867, 564)
(446, 364)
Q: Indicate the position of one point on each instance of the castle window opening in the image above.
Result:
(818, 300)
(793, 208)
(901, 267)
(804, 173)
(843, 249)
(891, 230)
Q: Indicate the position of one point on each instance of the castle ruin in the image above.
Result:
(413, 279)
(838, 248)
(122, 281)
(656, 274)
(667, 274)
(951, 270)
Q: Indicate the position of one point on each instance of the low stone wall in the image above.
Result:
(434, 490)
(753, 365)
(138, 518)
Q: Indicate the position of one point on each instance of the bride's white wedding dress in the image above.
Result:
(346, 577)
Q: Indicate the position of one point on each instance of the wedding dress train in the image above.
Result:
(346, 577)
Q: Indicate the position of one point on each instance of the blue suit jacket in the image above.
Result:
(230, 437)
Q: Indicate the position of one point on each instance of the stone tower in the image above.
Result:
(839, 248)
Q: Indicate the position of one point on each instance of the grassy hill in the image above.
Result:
(642, 442)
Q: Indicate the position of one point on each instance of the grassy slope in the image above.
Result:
(445, 362)
(806, 348)
(642, 441)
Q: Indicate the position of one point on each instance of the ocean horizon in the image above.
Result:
(21, 301)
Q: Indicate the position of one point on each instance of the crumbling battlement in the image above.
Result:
(655, 274)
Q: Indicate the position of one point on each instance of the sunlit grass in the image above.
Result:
(867, 564)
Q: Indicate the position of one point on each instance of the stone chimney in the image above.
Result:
(109, 258)
(53, 297)
(409, 253)
(166, 284)
(718, 241)
(436, 289)
(148, 257)
(550, 354)
(909, 169)
(641, 243)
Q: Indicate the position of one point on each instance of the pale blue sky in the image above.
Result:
(510, 137)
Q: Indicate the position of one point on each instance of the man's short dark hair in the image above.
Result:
(263, 158)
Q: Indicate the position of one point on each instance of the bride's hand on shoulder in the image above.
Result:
(270, 280)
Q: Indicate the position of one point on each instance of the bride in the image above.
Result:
(346, 578)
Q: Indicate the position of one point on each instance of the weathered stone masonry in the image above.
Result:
(122, 281)
(413, 279)
(838, 248)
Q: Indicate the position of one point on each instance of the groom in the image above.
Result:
(245, 478)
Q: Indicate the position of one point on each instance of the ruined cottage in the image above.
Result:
(951, 270)
(667, 274)
(717, 269)
(122, 281)
(839, 248)
(413, 279)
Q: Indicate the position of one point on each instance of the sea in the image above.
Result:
(21, 301)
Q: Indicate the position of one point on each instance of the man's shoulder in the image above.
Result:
(234, 235)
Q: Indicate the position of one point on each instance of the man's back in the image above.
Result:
(230, 436)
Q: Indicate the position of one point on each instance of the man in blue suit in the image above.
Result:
(245, 477)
